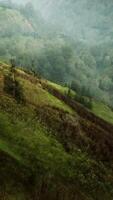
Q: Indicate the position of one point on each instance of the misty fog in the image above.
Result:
(88, 21)
(68, 42)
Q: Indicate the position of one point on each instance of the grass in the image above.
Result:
(7, 148)
(24, 142)
(103, 111)
(39, 97)
(98, 108)
(27, 140)
(41, 151)
(61, 89)
(36, 95)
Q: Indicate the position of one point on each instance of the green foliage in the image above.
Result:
(8, 84)
(83, 95)
(12, 60)
(19, 93)
(13, 87)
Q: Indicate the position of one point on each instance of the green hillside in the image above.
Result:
(51, 147)
(56, 100)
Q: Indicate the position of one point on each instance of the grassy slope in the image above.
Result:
(103, 111)
(98, 108)
(28, 142)
(63, 90)
(38, 96)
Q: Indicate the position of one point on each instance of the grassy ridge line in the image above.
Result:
(98, 108)
(64, 90)
(81, 110)
(36, 95)
(103, 111)
(33, 91)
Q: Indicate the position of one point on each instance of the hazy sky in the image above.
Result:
(20, 1)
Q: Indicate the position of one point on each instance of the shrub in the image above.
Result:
(13, 87)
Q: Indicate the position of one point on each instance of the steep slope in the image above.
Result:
(51, 147)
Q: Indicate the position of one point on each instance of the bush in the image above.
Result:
(13, 87)
(8, 84)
